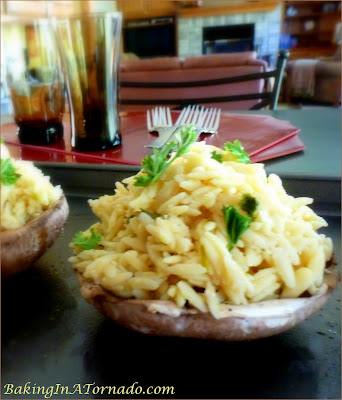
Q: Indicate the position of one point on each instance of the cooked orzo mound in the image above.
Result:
(27, 198)
(209, 231)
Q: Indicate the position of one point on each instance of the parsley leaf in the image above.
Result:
(154, 166)
(237, 150)
(8, 172)
(87, 242)
(185, 137)
(236, 224)
(217, 156)
(249, 204)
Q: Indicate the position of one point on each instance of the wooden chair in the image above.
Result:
(268, 97)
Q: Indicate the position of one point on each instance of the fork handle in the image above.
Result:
(164, 136)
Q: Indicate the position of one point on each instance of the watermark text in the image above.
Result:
(85, 389)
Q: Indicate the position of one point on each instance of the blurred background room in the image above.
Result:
(311, 31)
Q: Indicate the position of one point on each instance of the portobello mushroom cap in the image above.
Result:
(23, 246)
(245, 322)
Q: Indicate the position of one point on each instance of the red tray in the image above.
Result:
(262, 136)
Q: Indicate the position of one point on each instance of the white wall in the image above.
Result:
(102, 6)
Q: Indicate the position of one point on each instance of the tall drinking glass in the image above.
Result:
(90, 50)
(34, 78)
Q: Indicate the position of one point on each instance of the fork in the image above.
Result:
(161, 118)
(163, 124)
(206, 120)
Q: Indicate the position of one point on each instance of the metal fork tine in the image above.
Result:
(161, 116)
(204, 116)
(207, 122)
(185, 116)
(211, 118)
(149, 124)
(217, 121)
(169, 118)
(200, 116)
(200, 112)
(180, 116)
(165, 115)
(190, 116)
(152, 117)
(158, 115)
(195, 115)
(155, 117)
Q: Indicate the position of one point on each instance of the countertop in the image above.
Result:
(51, 338)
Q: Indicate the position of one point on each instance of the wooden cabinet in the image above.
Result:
(142, 9)
(309, 27)
(130, 8)
(162, 8)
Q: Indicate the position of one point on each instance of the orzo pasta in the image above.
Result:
(168, 240)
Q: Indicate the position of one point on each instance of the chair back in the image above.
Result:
(266, 96)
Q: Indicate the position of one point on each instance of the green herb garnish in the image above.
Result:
(237, 150)
(154, 166)
(217, 156)
(129, 218)
(87, 242)
(9, 175)
(2, 141)
(249, 204)
(236, 224)
(152, 215)
(185, 137)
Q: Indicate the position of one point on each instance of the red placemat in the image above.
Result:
(260, 135)
(284, 148)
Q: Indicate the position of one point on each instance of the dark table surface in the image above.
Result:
(53, 340)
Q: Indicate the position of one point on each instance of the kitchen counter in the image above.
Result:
(52, 338)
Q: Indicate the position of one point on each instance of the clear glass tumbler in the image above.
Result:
(90, 49)
(34, 78)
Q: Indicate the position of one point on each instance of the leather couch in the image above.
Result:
(204, 67)
(326, 85)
